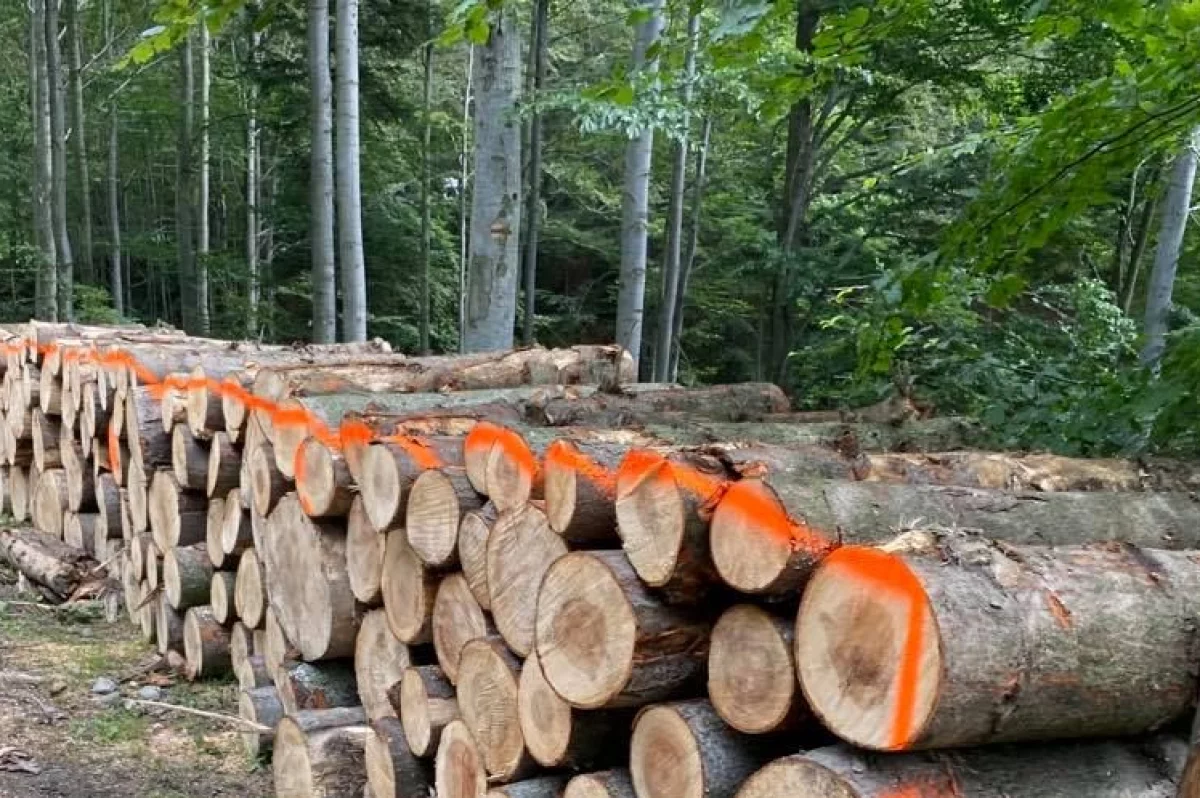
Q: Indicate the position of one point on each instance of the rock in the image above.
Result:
(109, 699)
(104, 686)
(150, 693)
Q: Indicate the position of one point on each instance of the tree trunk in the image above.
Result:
(324, 277)
(45, 298)
(379, 664)
(487, 699)
(202, 202)
(393, 771)
(672, 266)
(1170, 244)
(949, 639)
(184, 191)
(458, 767)
(58, 154)
(43, 559)
(457, 620)
(349, 190)
(79, 134)
(252, 179)
(426, 159)
(115, 276)
(752, 671)
(496, 204)
(689, 260)
(464, 219)
(427, 704)
(541, 21)
(635, 201)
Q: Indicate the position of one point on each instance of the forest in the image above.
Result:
(986, 202)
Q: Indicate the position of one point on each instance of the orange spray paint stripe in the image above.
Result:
(517, 452)
(299, 472)
(754, 505)
(114, 450)
(420, 451)
(566, 455)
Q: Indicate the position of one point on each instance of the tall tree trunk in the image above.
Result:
(45, 299)
(635, 202)
(689, 260)
(252, 154)
(58, 154)
(324, 270)
(541, 19)
(1166, 258)
(202, 231)
(1141, 237)
(184, 194)
(496, 202)
(671, 264)
(464, 238)
(349, 190)
(116, 285)
(79, 136)
(426, 142)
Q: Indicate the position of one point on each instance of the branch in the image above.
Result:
(231, 719)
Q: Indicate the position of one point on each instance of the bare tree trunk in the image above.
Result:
(671, 266)
(689, 260)
(58, 154)
(464, 238)
(349, 190)
(184, 199)
(202, 231)
(1170, 242)
(45, 301)
(426, 141)
(635, 201)
(252, 185)
(115, 276)
(541, 21)
(324, 270)
(496, 202)
(1141, 238)
(79, 136)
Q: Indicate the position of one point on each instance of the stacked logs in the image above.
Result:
(453, 574)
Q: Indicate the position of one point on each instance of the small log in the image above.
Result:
(168, 628)
(268, 485)
(752, 671)
(392, 769)
(148, 614)
(473, 533)
(236, 532)
(520, 549)
(149, 445)
(457, 619)
(73, 535)
(259, 705)
(606, 784)
(204, 406)
(187, 577)
(46, 433)
(50, 390)
(138, 554)
(189, 459)
(437, 501)
(426, 704)
(20, 495)
(177, 517)
(557, 735)
(323, 483)
(43, 559)
(364, 555)
(408, 589)
(214, 519)
(487, 699)
(224, 466)
(81, 491)
(131, 587)
(50, 502)
(389, 469)
(221, 595)
(137, 487)
(108, 503)
(254, 673)
(249, 590)
(949, 639)
(205, 645)
(707, 757)
(379, 663)
(241, 648)
(316, 685)
(320, 760)
(358, 430)
(458, 767)
(93, 415)
(604, 640)
(580, 490)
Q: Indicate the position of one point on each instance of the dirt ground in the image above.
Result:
(57, 740)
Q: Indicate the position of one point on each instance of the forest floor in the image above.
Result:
(59, 739)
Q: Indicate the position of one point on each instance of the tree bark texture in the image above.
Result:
(349, 188)
(321, 239)
(79, 135)
(185, 224)
(58, 155)
(538, 46)
(45, 297)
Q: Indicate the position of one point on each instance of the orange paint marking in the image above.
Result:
(1058, 610)
(758, 507)
(517, 452)
(419, 450)
(299, 472)
(114, 450)
(564, 454)
(480, 439)
(639, 464)
(355, 433)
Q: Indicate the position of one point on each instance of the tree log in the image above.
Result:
(520, 549)
(752, 671)
(473, 533)
(457, 619)
(46, 434)
(50, 390)
(137, 486)
(149, 600)
(50, 502)
(205, 644)
(259, 705)
(307, 581)
(969, 641)
(580, 490)
(236, 533)
(707, 757)
(249, 590)
(426, 704)
(221, 595)
(604, 640)
(177, 517)
(392, 769)
(602, 784)
(81, 491)
(358, 430)
(458, 767)
(149, 446)
(79, 530)
(43, 559)
(541, 787)
(316, 685)
(389, 469)
(189, 459)
(276, 648)
(437, 501)
(213, 523)
(487, 699)
(224, 466)
(268, 485)
(365, 549)
(168, 628)
(241, 649)
(323, 482)
(408, 589)
(20, 495)
(929, 435)
(737, 402)
(107, 497)
(328, 762)
(187, 577)
(379, 663)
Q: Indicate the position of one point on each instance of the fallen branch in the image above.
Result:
(232, 719)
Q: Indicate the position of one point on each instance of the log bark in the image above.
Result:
(457, 619)
(326, 762)
(437, 501)
(177, 517)
(364, 555)
(603, 784)
(930, 435)
(323, 482)
(557, 735)
(389, 469)
(473, 533)
(541, 787)
(604, 640)
(766, 538)
(458, 767)
(189, 459)
(379, 663)
(224, 466)
(107, 497)
(520, 549)
(393, 771)
(221, 595)
(43, 559)
(487, 699)
(307, 581)
(205, 644)
(81, 491)
(1104, 769)
(259, 705)
(408, 590)
(752, 671)
(46, 432)
(317, 685)
(739, 402)
(236, 533)
(149, 446)
(707, 757)
(50, 502)
(426, 703)
(168, 628)
(249, 590)
(973, 641)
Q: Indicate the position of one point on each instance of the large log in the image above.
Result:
(426, 704)
(249, 590)
(307, 581)
(205, 644)
(1105, 769)
(408, 589)
(365, 549)
(224, 466)
(43, 559)
(707, 757)
(437, 501)
(766, 538)
(390, 467)
(752, 671)
(602, 784)
(321, 758)
(316, 685)
(177, 517)
(730, 403)
(259, 705)
(189, 459)
(473, 533)
(323, 482)
(520, 549)
(604, 640)
(50, 502)
(487, 699)
(458, 767)
(950, 639)
(393, 771)
(187, 576)
(457, 620)
(379, 663)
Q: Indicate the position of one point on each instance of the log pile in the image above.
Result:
(517, 574)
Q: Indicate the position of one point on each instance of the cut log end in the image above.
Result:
(427, 705)
(473, 534)
(651, 516)
(259, 705)
(380, 661)
(249, 594)
(706, 757)
(408, 590)
(605, 784)
(205, 645)
(487, 693)
(384, 490)
(458, 768)
(512, 473)
(520, 549)
(365, 549)
(436, 503)
(322, 480)
(751, 673)
(457, 619)
(323, 762)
